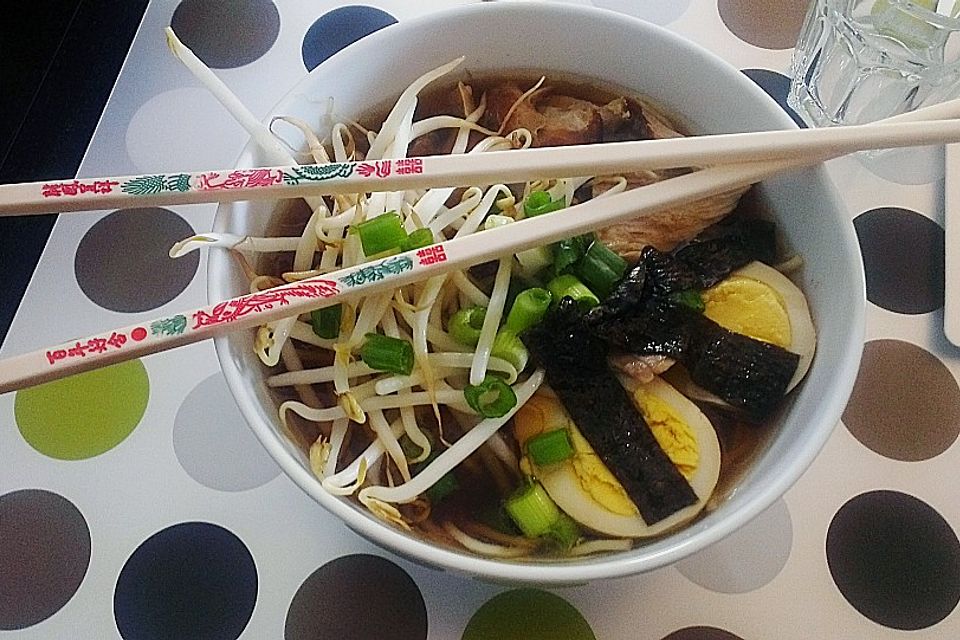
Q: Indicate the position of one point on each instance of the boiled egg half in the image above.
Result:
(584, 488)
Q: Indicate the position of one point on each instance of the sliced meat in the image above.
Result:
(666, 229)
(552, 119)
(558, 119)
(434, 143)
(641, 368)
(624, 120)
(566, 121)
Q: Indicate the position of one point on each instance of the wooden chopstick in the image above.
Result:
(247, 311)
(225, 185)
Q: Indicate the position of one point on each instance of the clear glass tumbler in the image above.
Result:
(862, 60)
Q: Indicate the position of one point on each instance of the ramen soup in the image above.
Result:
(571, 399)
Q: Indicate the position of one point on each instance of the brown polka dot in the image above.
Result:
(44, 553)
(357, 597)
(773, 24)
(905, 403)
(701, 633)
(902, 259)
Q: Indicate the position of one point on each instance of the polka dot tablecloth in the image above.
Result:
(135, 502)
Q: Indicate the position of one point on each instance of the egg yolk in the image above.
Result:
(671, 431)
(596, 480)
(749, 307)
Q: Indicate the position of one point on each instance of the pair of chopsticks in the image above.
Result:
(733, 161)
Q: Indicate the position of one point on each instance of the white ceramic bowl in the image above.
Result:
(710, 97)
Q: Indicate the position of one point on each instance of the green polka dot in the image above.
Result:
(86, 414)
(527, 614)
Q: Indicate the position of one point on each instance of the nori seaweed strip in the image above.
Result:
(702, 263)
(749, 374)
(576, 368)
(711, 261)
(757, 236)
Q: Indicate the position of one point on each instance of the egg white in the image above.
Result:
(562, 484)
(803, 336)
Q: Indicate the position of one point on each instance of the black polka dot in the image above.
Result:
(895, 559)
(701, 633)
(777, 87)
(903, 259)
(192, 580)
(341, 27)
(227, 33)
(123, 264)
(357, 597)
(44, 554)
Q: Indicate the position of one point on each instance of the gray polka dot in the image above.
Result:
(213, 443)
(122, 262)
(774, 24)
(227, 33)
(746, 560)
(905, 404)
(656, 11)
(165, 136)
(44, 554)
(911, 166)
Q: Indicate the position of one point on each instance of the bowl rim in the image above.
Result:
(565, 572)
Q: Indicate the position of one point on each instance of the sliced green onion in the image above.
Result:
(465, 325)
(569, 286)
(566, 253)
(492, 398)
(528, 309)
(533, 261)
(601, 269)
(410, 449)
(417, 239)
(533, 510)
(537, 199)
(494, 220)
(508, 346)
(550, 447)
(564, 533)
(447, 483)
(381, 234)
(599, 251)
(443, 487)
(326, 321)
(496, 517)
(384, 353)
(539, 203)
(689, 298)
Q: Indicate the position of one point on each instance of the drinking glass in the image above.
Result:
(862, 60)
